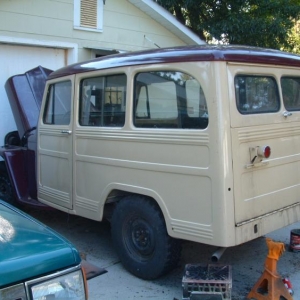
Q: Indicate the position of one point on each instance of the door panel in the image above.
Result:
(263, 185)
(268, 186)
(55, 146)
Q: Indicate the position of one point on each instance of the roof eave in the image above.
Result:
(166, 19)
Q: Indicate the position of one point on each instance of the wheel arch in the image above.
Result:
(115, 192)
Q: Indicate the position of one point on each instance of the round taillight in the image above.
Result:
(264, 151)
(267, 152)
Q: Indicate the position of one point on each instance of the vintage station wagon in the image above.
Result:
(199, 143)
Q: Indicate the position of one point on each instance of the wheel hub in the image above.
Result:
(142, 237)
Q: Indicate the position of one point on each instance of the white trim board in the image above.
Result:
(71, 47)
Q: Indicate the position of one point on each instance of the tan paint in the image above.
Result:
(203, 180)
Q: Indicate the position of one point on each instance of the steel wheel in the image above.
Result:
(141, 240)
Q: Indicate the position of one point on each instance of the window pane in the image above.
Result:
(58, 104)
(168, 99)
(163, 104)
(291, 92)
(196, 102)
(102, 101)
(256, 94)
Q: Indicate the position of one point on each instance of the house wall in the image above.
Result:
(129, 25)
(41, 32)
(124, 26)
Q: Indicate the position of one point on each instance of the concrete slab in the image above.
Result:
(94, 241)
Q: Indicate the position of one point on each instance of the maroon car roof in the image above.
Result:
(184, 54)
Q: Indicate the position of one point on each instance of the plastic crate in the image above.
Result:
(214, 280)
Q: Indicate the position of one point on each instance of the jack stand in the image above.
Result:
(270, 285)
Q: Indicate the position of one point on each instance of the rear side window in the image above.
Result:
(58, 104)
(291, 92)
(256, 94)
(169, 99)
(102, 101)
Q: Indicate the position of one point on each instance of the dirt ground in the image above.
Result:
(94, 241)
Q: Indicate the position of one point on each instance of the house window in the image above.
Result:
(88, 15)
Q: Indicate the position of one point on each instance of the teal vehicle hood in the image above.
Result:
(29, 249)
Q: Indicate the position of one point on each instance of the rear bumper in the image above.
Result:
(256, 227)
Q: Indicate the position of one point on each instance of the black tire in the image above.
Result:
(12, 139)
(141, 240)
(6, 191)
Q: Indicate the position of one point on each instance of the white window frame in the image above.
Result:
(99, 17)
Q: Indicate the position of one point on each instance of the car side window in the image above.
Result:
(102, 101)
(58, 104)
(291, 92)
(169, 99)
(256, 94)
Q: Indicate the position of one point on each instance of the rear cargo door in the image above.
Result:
(265, 131)
(55, 145)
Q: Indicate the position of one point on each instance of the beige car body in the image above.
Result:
(208, 183)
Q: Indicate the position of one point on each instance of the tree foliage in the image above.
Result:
(294, 39)
(263, 23)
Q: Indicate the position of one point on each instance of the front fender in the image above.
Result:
(20, 167)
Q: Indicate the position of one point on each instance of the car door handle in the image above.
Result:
(66, 131)
(286, 114)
